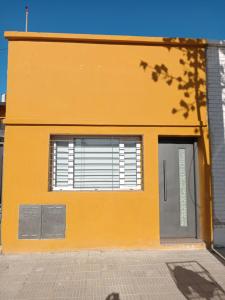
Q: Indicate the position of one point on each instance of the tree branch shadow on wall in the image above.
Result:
(113, 296)
(192, 60)
(192, 83)
(194, 281)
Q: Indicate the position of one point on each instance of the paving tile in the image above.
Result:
(93, 275)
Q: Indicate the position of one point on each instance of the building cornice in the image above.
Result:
(103, 39)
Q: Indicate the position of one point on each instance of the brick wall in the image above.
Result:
(216, 112)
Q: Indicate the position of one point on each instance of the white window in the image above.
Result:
(96, 163)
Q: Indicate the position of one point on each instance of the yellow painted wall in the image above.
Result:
(57, 87)
(94, 219)
(65, 82)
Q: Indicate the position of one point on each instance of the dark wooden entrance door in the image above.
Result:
(177, 188)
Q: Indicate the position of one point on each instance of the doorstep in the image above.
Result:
(182, 244)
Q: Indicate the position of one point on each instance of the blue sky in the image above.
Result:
(190, 18)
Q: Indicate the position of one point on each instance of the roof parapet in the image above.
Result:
(103, 39)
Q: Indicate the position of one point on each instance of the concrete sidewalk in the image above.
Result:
(113, 275)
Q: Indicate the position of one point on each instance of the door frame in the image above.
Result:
(1, 178)
(194, 140)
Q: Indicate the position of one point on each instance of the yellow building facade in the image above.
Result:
(134, 93)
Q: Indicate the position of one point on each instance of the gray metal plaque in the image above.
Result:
(29, 222)
(53, 221)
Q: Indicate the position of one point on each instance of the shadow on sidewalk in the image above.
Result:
(113, 296)
(194, 281)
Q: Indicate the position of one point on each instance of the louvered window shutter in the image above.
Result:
(96, 163)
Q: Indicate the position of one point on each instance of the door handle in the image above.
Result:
(164, 181)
